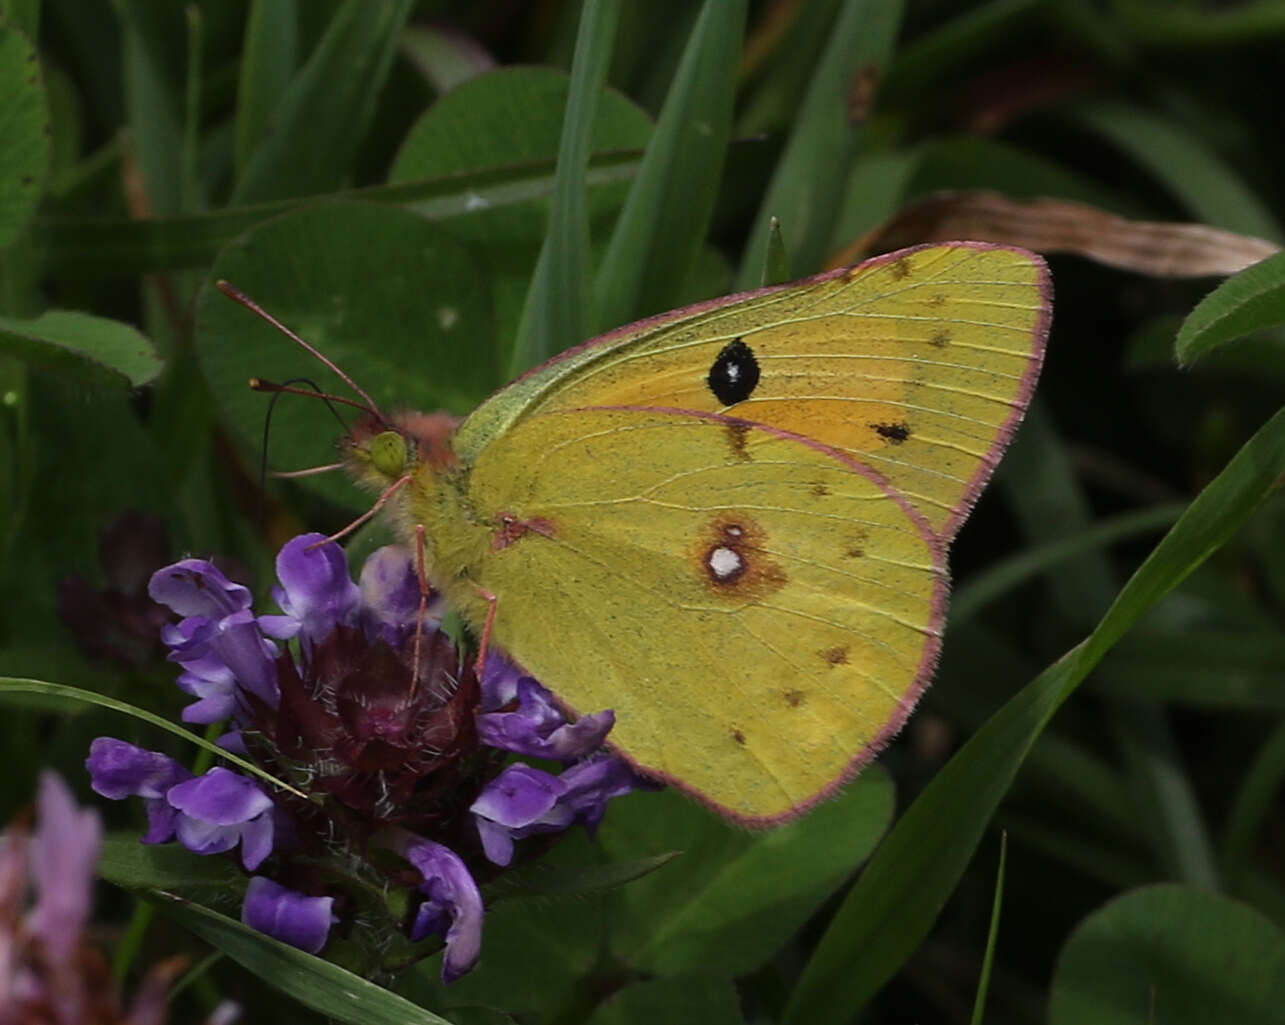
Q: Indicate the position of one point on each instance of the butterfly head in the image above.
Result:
(380, 452)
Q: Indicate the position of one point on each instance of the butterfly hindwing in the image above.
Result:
(760, 610)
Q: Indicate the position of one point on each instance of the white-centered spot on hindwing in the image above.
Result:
(732, 558)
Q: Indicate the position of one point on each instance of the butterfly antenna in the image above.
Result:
(277, 390)
(232, 292)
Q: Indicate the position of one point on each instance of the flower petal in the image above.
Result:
(195, 587)
(118, 770)
(221, 797)
(285, 915)
(452, 894)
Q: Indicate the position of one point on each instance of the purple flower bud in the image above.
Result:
(118, 770)
(285, 915)
(316, 592)
(390, 594)
(220, 810)
(453, 906)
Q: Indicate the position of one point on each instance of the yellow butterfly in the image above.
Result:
(730, 522)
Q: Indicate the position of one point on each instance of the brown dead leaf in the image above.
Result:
(1046, 225)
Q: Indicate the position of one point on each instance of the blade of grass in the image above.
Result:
(808, 184)
(323, 115)
(325, 987)
(267, 64)
(670, 204)
(899, 896)
(992, 935)
(1177, 834)
(58, 695)
(1257, 791)
(557, 313)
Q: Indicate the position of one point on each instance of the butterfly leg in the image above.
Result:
(491, 602)
(421, 571)
(368, 514)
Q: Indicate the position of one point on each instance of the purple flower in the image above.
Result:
(536, 727)
(453, 906)
(316, 592)
(49, 972)
(209, 814)
(64, 854)
(218, 643)
(523, 801)
(517, 803)
(118, 770)
(290, 917)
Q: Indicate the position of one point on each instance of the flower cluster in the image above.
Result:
(356, 699)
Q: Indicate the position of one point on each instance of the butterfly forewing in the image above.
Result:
(919, 364)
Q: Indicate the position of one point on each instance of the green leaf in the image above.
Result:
(339, 994)
(97, 350)
(807, 186)
(1250, 301)
(1167, 954)
(733, 898)
(557, 313)
(323, 116)
(663, 225)
(683, 1000)
(898, 897)
(24, 142)
(513, 118)
(396, 302)
(129, 863)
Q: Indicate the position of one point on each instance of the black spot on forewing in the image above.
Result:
(734, 374)
(894, 433)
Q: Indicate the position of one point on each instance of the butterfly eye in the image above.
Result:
(388, 453)
(735, 373)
